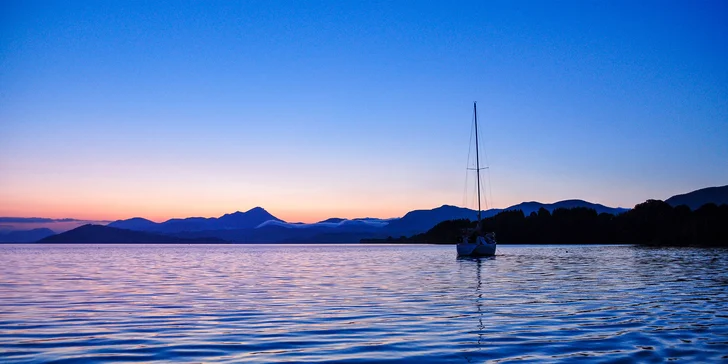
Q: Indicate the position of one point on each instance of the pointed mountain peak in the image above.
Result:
(238, 213)
(137, 219)
(244, 220)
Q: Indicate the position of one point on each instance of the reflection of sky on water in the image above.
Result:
(338, 303)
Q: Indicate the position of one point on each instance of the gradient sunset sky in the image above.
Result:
(115, 109)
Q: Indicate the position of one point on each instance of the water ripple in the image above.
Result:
(69, 304)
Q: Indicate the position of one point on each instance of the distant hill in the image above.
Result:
(245, 220)
(652, 222)
(334, 220)
(135, 223)
(237, 220)
(258, 226)
(695, 199)
(529, 207)
(24, 236)
(187, 224)
(99, 234)
(419, 221)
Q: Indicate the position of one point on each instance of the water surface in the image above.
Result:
(361, 303)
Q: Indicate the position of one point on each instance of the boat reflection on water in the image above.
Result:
(478, 263)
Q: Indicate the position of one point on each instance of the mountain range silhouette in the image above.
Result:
(259, 226)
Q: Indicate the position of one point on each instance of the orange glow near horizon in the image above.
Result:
(106, 198)
(97, 206)
(118, 197)
(161, 215)
(160, 211)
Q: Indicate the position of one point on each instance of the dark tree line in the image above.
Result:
(652, 222)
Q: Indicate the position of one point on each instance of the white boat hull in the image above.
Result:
(476, 250)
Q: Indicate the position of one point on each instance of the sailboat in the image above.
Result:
(476, 243)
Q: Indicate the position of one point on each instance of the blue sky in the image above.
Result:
(317, 109)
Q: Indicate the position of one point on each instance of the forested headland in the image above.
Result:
(652, 222)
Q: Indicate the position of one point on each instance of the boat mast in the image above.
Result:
(477, 156)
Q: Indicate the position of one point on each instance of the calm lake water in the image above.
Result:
(354, 303)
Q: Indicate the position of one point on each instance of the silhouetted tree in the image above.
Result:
(652, 222)
(445, 232)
